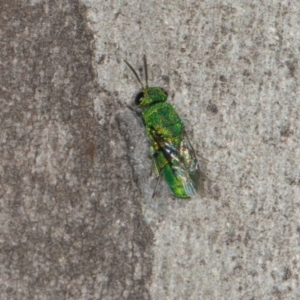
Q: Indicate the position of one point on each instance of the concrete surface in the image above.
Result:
(77, 217)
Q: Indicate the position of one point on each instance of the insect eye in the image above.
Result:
(139, 98)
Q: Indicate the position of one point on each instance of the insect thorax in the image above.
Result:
(162, 120)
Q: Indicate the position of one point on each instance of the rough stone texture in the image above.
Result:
(71, 221)
(77, 217)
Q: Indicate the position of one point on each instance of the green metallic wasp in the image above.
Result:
(173, 156)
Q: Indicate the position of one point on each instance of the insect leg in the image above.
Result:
(157, 181)
(158, 165)
(154, 161)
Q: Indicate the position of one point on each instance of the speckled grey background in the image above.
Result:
(77, 220)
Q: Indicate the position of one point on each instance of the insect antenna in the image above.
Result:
(146, 70)
(135, 73)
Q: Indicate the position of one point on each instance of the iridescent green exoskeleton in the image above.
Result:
(173, 156)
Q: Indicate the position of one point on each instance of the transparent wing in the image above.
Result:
(188, 170)
(183, 161)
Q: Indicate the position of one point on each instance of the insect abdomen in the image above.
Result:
(174, 184)
(164, 168)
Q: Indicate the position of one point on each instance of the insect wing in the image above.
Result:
(189, 168)
(183, 162)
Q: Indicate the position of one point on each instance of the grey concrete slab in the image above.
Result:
(78, 220)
